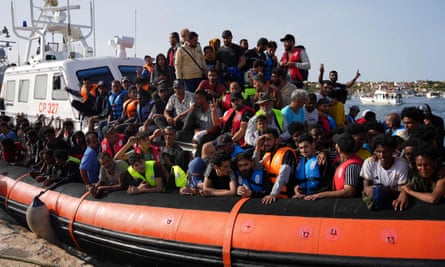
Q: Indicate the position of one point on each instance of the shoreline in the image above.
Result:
(17, 242)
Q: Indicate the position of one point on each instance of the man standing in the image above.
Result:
(230, 59)
(333, 77)
(174, 45)
(190, 63)
(295, 61)
(256, 53)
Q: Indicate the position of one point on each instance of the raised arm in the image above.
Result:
(351, 83)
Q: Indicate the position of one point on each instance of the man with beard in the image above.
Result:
(199, 125)
(278, 79)
(333, 76)
(275, 119)
(230, 58)
(235, 119)
(178, 106)
(295, 61)
(279, 163)
(251, 182)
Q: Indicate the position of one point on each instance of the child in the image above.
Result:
(195, 181)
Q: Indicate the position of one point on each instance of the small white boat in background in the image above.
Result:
(433, 94)
(382, 96)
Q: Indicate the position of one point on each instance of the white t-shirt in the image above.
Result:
(311, 118)
(393, 177)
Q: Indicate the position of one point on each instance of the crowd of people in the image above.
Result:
(255, 130)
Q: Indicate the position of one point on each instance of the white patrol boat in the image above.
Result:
(37, 87)
(382, 96)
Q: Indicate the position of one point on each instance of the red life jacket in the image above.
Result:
(236, 122)
(226, 101)
(155, 152)
(339, 176)
(273, 166)
(294, 56)
(106, 147)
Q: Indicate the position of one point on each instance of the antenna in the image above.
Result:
(94, 27)
(135, 24)
(69, 28)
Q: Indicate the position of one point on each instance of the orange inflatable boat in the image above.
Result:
(205, 231)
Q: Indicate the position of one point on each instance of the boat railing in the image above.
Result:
(52, 19)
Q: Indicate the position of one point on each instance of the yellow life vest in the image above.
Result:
(149, 173)
(180, 176)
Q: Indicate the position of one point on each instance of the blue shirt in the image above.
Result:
(10, 135)
(291, 116)
(236, 150)
(90, 164)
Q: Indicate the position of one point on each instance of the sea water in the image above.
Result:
(436, 104)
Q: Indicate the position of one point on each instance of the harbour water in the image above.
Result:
(437, 106)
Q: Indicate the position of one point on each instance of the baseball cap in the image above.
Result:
(178, 84)
(223, 140)
(288, 37)
(236, 95)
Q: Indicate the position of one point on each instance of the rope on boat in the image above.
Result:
(31, 261)
(227, 243)
(70, 226)
(12, 187)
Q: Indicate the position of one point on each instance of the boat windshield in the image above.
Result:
(129, 71)
(95, 74)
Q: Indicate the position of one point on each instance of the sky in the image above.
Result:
(387, 40)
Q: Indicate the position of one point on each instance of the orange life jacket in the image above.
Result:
(273, 166)
(85, 93)
(130, 107)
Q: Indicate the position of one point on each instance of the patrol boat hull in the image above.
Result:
(210, 231)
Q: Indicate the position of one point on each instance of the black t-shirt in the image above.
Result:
(251, 55)
(220, 182)
(229, 56)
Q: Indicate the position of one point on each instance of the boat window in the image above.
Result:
(10, 89)
(58, 89)
(129, 72)
(40, 87)
(23, 91)
(96, 74)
